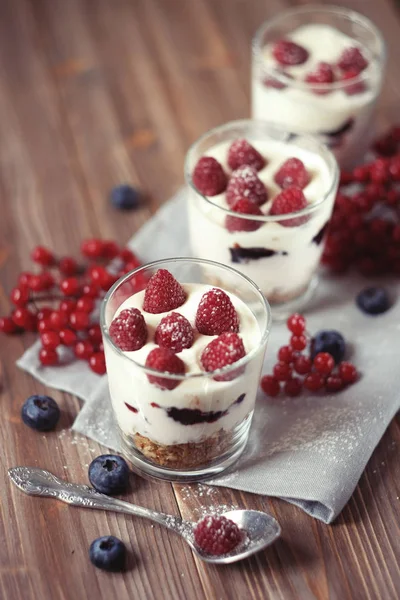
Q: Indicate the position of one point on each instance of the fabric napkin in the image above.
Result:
(310, 450)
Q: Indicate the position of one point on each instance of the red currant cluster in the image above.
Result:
(365, 228)
(59, 302)
(317, 374)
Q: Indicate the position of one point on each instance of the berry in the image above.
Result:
(42, 256)
(70, 286)
(109, 474)
(92, 248)
(44, 313)
(94, 334)
(166, 361)
(110, 249)
(19, 296)
(97, 363)
(68, 266)
(296, 323)
(174, 332)
(38, 283)
(324, 363)
(50, 339)
(353, 88)
(372, 301)
(348, 372)
(247, 207)
(67, 337)
(79, 320)
(24, 278)
(288, 53)
(245, 183)
(128, 330)
(125, 197)
(313, 382)
(216, 314)
(322, 74)
(209, 177)
(334, 383)
(7, 325)
(242, 153)
(163, 293)
(217, 535)
(23, 318)
(282, 371)
(58, 320)
(48, 357)
(108, 553)
(91, 290)
(288, 201)
(44, 325)
(83, 349)
(270, 386)
(286, 354)
(329, 341)
(292, 173)
(98, 275)
(352, 59)
(40, 413)
(298, 342)
(128, 256)
(293, 387)
(222, 351)
(302, 365)
(85, 304)
(67, 306)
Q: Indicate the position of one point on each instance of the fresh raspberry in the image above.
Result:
(128, 330)
(245, 183)
(282, 371)
(166, 361)
(209, 177)
(163, 293)
(292, 173)
(322, 74)
(216, 313)
(174, 332)
(296, 323)
(224, 350)
(242, 153)
(246, 207)
(293, 387)
(289, 200)
(289, 53)
(217, 535)
(353, 88)
(352, 59)
(270, 386)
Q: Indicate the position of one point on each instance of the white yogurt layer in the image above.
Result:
(302, 111)
(287, 273)
(129, 383)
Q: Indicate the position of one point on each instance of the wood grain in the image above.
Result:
(91, 94)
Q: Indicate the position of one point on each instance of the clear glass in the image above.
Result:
(283, 252)
(340, 113)
(201, 426)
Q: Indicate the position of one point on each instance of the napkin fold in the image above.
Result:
(309, 450)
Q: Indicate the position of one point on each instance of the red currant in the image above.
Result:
(19, 296)
(94, 334)
(23, 318)
(302, 365)
(282, 371)
(92, 248)
(270, 385)
(97, 363)
(24, 278)
(293, 387)
(334, 383)
(285, 354)
(296, 324)
(68, 337)
(44, 313)
(298, 342)
(70, 286)
(108, 281)
(68, 266)
(91, 290)
(58, 319)
(324, 363)
(50, 339)
(129, 257)
(7, 325)
(47, 280)
(44, 325)
(42, 256)
(67, 306)
(98, 275)
(48, 357)
(79, 320)
(83, 349)
(348, 372)
(86, 304)
(110, 249)
(313, 382)
(37, 283)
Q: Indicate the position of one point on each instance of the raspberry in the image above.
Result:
(270, 385)
(352, 59)
(245, 183)
(296, 324)
(286, 354)
(216, 313)
(174, 332)
(224, 350)
(355, 88)
(246, 207)
(217, 535)
(292, 173)
(128, 330)
(322, 74)
(293, 387)
(242, 153)
(282, 371)
(163, 293)
(209, 177)
(313, 382)
(324, 363)
(289, 200)
(166, 361)
(347, 372)
(289, 53)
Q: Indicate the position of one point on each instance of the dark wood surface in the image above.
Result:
(92, 93)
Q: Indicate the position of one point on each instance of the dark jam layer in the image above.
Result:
(244, 255)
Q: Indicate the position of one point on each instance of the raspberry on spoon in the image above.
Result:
(224, 350)
(292, 173)
(128, 330)
(242, 153)
(174, 332)
(217, 535)
(163, 293)
(209, 177)
(216, 314)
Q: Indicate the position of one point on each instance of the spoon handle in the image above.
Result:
(38, 482)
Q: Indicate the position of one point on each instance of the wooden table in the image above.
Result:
(93, 93)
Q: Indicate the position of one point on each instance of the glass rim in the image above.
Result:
(322, 149)
(340, 11)
(210, 374)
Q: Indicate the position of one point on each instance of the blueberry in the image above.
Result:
(330, 341)
(108, 553)
(125, 197)
(373, 301)
(40, 412)
(109, 474)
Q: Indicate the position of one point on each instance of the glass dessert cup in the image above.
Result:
(201, 426)
(340, 113)
(281, 253)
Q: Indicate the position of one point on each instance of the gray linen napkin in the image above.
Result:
(310, 450)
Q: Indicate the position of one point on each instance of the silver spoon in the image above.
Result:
(260, 529)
